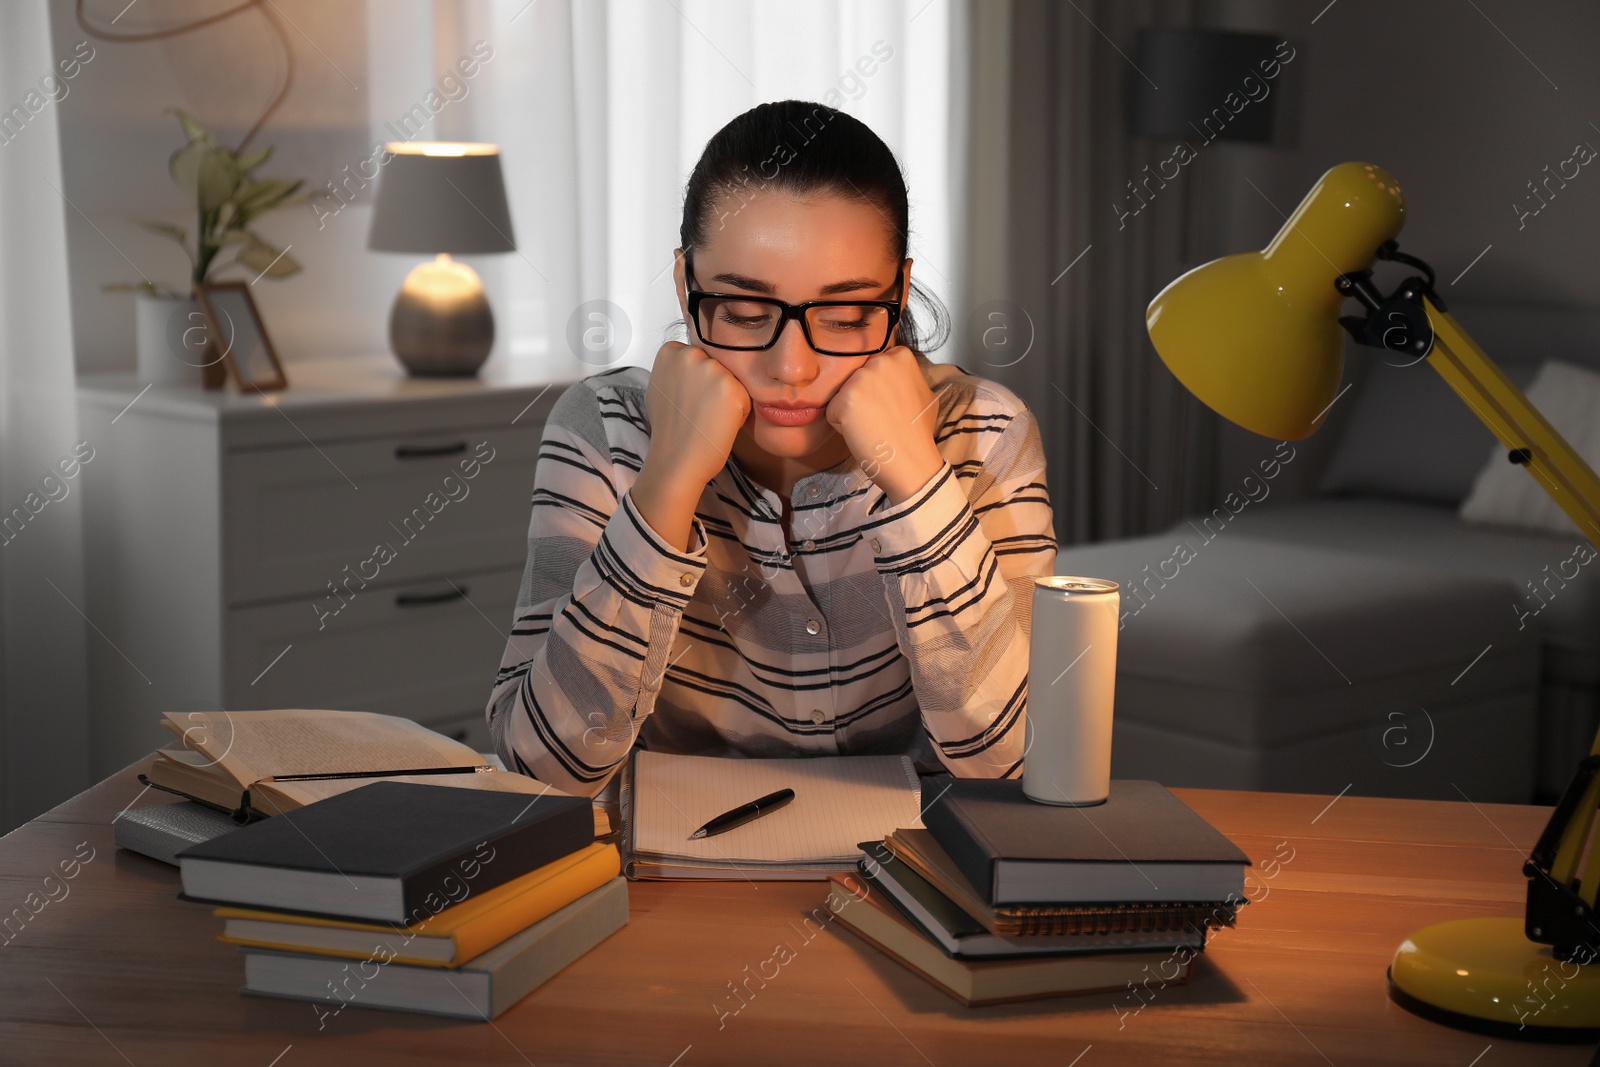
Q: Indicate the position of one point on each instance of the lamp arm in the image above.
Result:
(1557, 912)
(1414, 320)
(1532, 441)
(1573, 484)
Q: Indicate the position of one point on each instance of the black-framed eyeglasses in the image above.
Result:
(831, 327)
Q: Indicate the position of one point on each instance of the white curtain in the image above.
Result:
(602, 110)
(43, 686)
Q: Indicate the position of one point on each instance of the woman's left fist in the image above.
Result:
(887, 416)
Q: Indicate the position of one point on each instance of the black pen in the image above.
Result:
(744, 813)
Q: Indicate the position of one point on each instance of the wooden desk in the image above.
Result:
(117, 970)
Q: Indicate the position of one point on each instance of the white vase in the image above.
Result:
(169, 339)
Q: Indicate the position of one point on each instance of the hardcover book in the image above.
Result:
(1142, 844)
(389, 851)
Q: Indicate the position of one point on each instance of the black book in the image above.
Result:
(386, 852)
(1142, 844)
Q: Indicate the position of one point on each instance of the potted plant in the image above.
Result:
(228, 199)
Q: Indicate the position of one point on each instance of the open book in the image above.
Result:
(839, 801)
(251, 763)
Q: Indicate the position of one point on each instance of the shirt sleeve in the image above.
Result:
(601, 599)
(958, 561)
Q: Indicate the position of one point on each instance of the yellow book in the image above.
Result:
(447, 939)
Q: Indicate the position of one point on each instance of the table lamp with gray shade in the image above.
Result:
(441, 198)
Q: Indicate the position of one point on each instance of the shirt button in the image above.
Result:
(809, 545)
(877, 546)
(817, 716)
(686, 579)
(813, 490)
(813, 626)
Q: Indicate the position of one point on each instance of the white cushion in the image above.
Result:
(1505, 494)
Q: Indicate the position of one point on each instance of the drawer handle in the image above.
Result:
(413, 600)
(425, 451)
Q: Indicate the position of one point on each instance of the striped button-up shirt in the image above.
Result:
(838, 624)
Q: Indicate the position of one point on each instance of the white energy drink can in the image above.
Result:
(1072, 674)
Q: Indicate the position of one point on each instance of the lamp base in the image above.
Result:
(441, 325)
(1485, 976)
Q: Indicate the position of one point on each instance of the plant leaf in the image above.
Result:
(191, 125)
(258, 198)
(167, 229)
(184, 166)
(261, 195)
(215, 179)
(205, 172)
(251, 160)
(262, 257)
(249, 189)
(150, 288)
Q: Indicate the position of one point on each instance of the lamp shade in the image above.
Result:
(1256, 336)
(438, 197)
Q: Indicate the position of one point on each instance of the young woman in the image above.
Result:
(795, 535)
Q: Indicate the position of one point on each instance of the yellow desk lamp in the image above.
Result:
(1256, 336)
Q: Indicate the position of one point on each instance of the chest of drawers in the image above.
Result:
(355, 541)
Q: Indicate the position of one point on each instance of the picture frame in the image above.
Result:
(235, 330)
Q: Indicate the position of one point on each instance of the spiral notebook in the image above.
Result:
(839, 801)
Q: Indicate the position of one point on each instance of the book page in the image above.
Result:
(839, 801)
(252, 745)
(186, 756)
(193, 775)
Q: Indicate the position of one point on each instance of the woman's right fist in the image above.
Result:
(696, 408)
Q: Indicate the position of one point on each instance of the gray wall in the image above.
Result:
(1464, 114)
(115, 142)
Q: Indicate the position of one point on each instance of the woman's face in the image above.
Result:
(794, 250)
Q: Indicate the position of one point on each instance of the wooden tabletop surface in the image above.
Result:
(111, 968)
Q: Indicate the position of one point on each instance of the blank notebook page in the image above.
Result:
(839, 801)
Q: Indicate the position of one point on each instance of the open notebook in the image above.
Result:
(839, 801)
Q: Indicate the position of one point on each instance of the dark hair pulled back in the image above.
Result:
(803, 148)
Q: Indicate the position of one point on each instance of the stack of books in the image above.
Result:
(1001, 898)
(409, 897)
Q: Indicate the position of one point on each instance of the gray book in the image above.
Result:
(161, 831)
(480, 989)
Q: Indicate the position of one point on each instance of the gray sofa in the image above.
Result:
(1366, 639)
